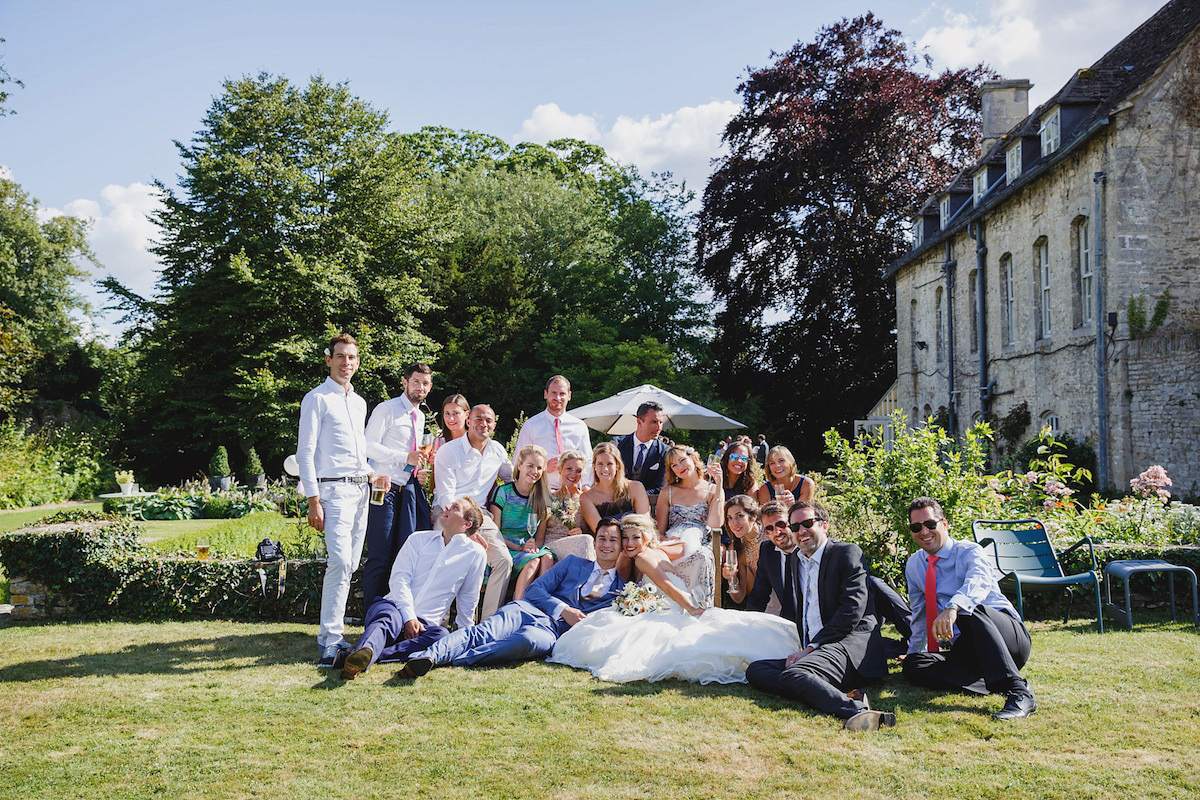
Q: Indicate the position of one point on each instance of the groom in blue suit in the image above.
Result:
(528, 628)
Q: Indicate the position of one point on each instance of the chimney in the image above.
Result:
(1005, 103)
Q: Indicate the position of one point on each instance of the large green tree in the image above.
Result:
(40, 265)
(836, 143)
(297, 216)
(563, 261)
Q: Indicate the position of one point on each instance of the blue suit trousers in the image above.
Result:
(517, 632)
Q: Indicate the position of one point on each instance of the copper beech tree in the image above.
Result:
(836, 143)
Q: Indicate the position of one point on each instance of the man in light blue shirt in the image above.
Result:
(966, 635)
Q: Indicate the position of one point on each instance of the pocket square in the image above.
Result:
(656, 466)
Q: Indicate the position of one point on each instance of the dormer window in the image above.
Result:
(1050, 132)
(944, 210)
(1012, 162)
(918, 228)
(979, 185)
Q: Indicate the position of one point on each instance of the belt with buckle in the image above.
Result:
(352, 479)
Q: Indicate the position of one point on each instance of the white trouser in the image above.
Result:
(501, 561)
(345, 508)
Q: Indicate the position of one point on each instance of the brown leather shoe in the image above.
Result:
(869, 720)
(416, 667)
(357, 662)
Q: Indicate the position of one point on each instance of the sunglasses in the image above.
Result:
(804, 523)
(739, 458)
(778, 526)
(930, 524)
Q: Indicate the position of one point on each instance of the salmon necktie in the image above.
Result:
(558, 436)
(931, 605)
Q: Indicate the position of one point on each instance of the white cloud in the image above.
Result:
(1044, 42)
(120, 233)
(548, 122)
(681, 142)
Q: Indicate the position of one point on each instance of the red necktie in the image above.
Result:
(931, 606)
(558, 437)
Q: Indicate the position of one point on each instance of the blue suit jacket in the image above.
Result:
(653, 469)
(564, 583)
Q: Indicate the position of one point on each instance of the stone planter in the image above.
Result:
(258, 481)
(221, 484)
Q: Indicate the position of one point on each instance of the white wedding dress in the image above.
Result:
(714, 648)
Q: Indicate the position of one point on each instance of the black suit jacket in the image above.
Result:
(652, 471)
(844, 598)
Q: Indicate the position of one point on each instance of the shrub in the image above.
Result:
(50, 465)
(217, 507)
(218, 467)
(194, 500)
(96, 567)
(1075, 451)
(869, 486)
(253, 464)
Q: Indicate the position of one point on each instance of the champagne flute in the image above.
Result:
(426, 443)
(731, 561)
(531, 524)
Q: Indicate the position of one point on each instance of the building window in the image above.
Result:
(979, 185)
(940, 347)
(1012, 162)
(973, 312)
(1049, 132)
(1041, 271)
(918, 229)
(1050, 420)
(944, 210)
(1087, 279)
(1008, 299)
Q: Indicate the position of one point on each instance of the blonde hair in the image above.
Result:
(645, 526)
(780, 450)
(672, 478)
(564, 457)
(620, 484)
(473, 514)
(539, 495)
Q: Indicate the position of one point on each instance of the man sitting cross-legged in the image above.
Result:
(433, 569)
(528, 628)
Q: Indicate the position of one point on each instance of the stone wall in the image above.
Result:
(1150, 154)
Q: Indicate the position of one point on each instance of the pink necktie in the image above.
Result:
(931, 605)
(415, 441)
(558, 437)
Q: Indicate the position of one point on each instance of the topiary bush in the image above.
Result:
(218, 467)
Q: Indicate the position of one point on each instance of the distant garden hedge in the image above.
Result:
(93, 566)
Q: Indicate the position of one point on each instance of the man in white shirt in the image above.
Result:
(528, 628)
(393, 447)
(433, 570)
(334, 476)
(556, 431)
(469, 467)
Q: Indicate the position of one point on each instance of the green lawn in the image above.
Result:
(216, 709)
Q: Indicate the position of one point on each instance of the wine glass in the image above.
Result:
(730, 560)
(531, 524)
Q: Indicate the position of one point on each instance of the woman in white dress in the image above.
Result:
(682, 640)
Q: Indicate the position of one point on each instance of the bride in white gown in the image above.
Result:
(682, 640)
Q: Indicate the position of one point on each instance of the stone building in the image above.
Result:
(1061, 269)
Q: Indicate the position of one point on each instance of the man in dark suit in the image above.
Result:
(770, 578)
(642, 451)
(841, 648)
(528, 628)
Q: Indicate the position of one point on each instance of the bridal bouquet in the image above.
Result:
(636, 599)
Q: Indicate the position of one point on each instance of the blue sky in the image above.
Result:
(109, 85)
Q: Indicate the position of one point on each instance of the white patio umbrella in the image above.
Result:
(618, 414)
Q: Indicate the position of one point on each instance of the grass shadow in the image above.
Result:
(183, 657)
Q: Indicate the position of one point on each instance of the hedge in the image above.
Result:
(94, 564)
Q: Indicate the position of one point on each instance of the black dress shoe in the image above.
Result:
(416, 667)
(1020, 703)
